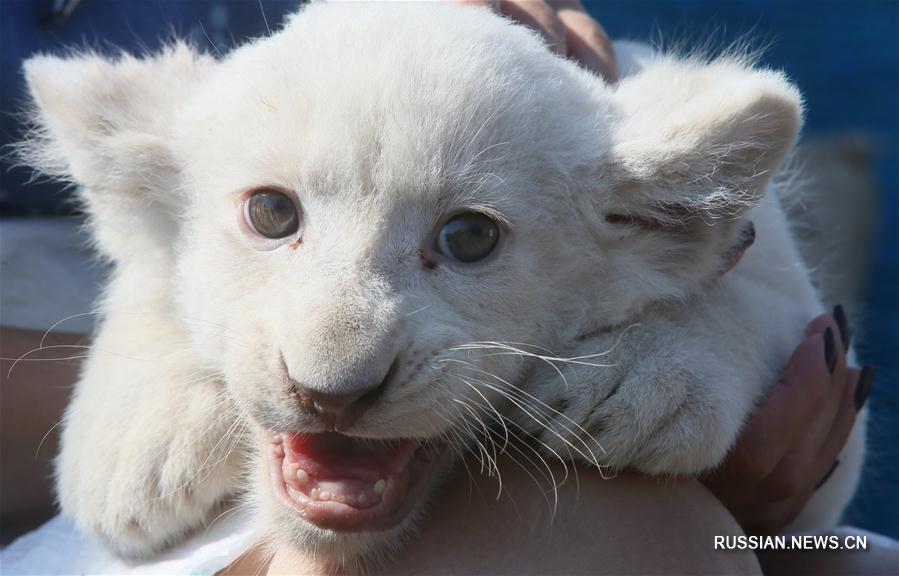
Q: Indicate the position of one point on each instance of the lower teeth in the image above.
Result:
(325, 496)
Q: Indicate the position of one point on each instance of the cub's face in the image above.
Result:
(382, 245)
(375, 222)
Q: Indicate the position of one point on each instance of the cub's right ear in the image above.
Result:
(104, 124)
(694, 150)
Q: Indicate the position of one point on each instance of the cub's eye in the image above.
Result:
(272, 214)
(468, 237)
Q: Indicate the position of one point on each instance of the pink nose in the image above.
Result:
(339, 411)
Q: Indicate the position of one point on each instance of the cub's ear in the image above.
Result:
(104, 124)
(694, 150)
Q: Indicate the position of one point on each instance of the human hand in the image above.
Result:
(567, 27)
(790, 444)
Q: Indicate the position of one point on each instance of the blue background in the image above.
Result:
(843, 54)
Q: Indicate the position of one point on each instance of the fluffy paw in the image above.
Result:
(143, 483)
(662, 413)
(149, 448)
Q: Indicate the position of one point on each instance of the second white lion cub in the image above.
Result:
(387, 229)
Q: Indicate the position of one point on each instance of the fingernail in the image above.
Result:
(830, 350)
(828, 475)
(839, 314)
(863, 388)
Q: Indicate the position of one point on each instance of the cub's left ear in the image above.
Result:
(694, 150)
(105, 123)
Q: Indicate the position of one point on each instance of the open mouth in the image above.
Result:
(344, 483)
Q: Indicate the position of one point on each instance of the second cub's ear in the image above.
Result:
(704, 139)
(694, 148)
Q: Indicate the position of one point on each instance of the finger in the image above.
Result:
(586, 40)
(842, 426)
(807, 450)
(839, 434)
(539, 16)
(803, 468)
(811, 442)
(842, 386)
(834, 437)
(818, 325)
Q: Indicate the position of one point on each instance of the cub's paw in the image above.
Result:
(665, 417)
(143, 476)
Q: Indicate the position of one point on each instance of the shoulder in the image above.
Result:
(628, 524)
(668, 525)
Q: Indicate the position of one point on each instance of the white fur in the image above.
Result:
(619, 205)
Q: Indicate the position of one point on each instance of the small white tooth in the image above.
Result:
(350, 499)
(302, 477)
(314, 493)
(362, 498)
(324, 495)
(380, 485)
(341, 498)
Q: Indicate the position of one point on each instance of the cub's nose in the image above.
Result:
(340, 410)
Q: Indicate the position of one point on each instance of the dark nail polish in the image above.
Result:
(828, 475)
(863, 388)
(839, 314)
(830, 350)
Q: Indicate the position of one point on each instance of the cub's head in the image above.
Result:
(372, 222)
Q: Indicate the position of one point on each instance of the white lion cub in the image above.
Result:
(388, 231)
